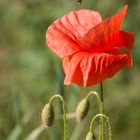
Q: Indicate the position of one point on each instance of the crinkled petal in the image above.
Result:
(72, 69)
(105, 65)
(90, 69)
(78, 23)
(85, 66)
(100, 36)
(123, 39)
(65, 63)
(60, 42)
(64, 35)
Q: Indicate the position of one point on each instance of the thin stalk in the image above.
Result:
(97, 97)
(102, 112)
(101, 109)
(64, 114)
(108, 122)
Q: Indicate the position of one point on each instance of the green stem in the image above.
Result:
(101, 109)
(97, 97)
(64, 113)
(108, 122)
(102, 112)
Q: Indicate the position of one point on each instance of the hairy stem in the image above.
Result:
(64, 114)
(108, 122)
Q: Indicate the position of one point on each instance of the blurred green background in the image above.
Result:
(30, 73)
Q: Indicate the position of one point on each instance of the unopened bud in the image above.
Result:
(82, 109)
(47, 115)
(90, 136)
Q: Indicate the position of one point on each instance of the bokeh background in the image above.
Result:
(30, 73)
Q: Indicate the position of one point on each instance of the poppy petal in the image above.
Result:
(85, 66)
(86, 69)
(80, 22)
(104, 66)
(124, 39)
(64, 35)
(72, 69)
(65, 63)
(104, 32)
(60, 42)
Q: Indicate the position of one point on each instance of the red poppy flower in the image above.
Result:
(92, 49)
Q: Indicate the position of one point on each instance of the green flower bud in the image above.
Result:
(47, 115)
(82, 109)
(90, 136)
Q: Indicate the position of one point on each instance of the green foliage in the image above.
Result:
(30, 73)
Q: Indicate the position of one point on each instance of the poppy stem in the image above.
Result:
(97, 97)
(102, 95)
(64, 114)
(102, 111)
(107, 120)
